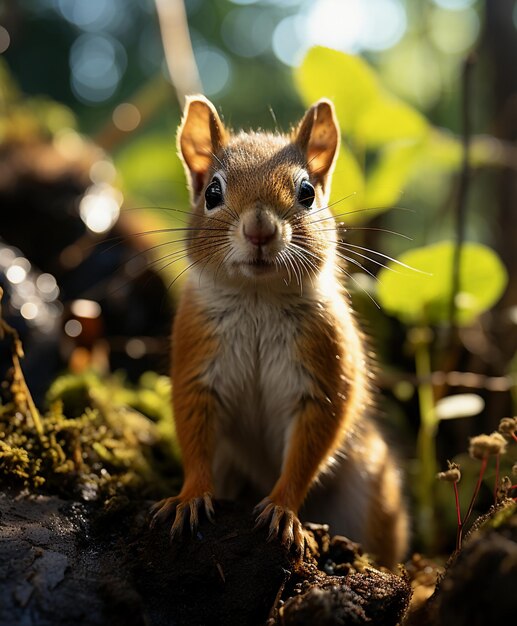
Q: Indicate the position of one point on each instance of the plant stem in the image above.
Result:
(426, 441)
(496, 485)
(461, 206)
(458, 513)
(476, 490)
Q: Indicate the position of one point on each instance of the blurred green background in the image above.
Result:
(426, 95)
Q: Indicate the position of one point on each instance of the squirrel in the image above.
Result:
(271, 378)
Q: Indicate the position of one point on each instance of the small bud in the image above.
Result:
(504, 488)
(508, 425)
(452, 475)
(514, 469)
(482, 446)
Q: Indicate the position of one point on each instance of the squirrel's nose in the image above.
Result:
(259, 233)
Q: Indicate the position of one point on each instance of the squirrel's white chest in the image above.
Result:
(259, 381)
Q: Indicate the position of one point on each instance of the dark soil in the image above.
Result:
(65, 562)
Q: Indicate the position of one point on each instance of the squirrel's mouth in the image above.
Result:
(258, 266)
(259, 263)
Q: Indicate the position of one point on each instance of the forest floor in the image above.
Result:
(64, 562)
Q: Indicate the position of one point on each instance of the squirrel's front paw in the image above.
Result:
(184, 510)
(282, 522)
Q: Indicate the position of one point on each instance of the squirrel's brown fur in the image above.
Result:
(271, 378)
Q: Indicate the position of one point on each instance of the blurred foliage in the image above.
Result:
(23, 119)
(423, 296)
(397, 139)
(368, 114)
(150, 169)
(99, 437)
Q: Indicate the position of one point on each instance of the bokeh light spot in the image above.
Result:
(126, 117)
(73, 328)
(92, 15)
(102, 172)
(16, 274)
(29, 310)
(100, 207)
(89, 309)
(5, 39)
(287, 38)
(18, 271)
(336, 24)
(384, 26)
(46, 283)
(97, 63)
(355, 25)
(47, 286)
(454, 32)
(7, 256)
(135, 348)
(214, 69)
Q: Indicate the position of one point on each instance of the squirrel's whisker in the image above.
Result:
(342, 246)
(384, 256)
(201, 247)
(343, 227)
(169, 243)
(306, 263)
(356, 282)
(356, 263)
(183, 271)
(345, 213)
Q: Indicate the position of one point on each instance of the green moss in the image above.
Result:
(99, 436)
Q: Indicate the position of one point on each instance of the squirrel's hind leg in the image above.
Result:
(361, 498)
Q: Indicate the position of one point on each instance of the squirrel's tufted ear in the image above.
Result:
(317, 135)
(200, 136)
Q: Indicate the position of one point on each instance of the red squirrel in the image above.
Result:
(271, 379)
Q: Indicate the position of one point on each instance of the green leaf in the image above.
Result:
(347, 194)
(365, 111)
(388, 119)
(390, 174)
(424, 298)
(347, 80)
(151, 170)
(441, 151)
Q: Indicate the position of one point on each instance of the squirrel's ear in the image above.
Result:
(317, 136)
(200, 136)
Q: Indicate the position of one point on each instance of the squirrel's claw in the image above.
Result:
(283, 523)
(182, 511)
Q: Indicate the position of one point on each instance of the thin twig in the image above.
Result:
(461, 207)
(458, 513)
(177, 47)
(496, 483)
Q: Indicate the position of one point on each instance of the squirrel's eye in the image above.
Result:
(306, 194)
(213, 194)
